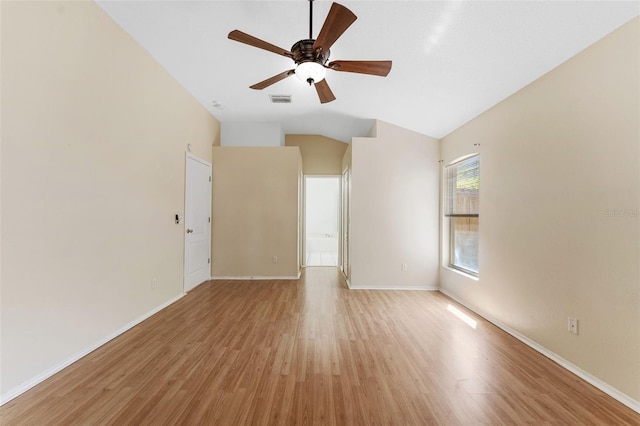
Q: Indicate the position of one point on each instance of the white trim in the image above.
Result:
(390, 287)
(587, 377)
(346, 279)
(22, 388)
(460, 272)
(195, 157)
(258, 277)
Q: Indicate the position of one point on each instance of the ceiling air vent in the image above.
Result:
(280, 99)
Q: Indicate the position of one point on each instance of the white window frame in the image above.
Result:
(448, 218)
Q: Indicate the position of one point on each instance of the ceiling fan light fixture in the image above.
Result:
(310, 72)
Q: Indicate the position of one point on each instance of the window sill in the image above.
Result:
(464, 274)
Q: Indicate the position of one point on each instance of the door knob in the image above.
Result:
(189, 231)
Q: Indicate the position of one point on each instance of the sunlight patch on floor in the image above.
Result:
(464, 317)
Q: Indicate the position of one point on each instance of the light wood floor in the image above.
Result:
(313, 352)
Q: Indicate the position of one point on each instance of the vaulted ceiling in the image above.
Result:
(452, 60)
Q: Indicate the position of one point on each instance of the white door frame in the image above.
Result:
(344, 224)
(186, 284)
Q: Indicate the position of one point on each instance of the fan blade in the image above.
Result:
(337, 22)
(256, 42)
(324, 92)
(276, 78)
(380, 68)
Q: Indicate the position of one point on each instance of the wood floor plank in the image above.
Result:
(313, 352)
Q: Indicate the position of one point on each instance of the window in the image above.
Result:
(462, 210)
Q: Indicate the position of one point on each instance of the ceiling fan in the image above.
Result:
(311, 56)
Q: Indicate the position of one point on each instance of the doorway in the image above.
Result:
(322, 213)
(345, 225)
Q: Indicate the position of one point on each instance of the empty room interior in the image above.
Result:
(423, 212)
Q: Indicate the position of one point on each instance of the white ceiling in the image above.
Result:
(451, 60)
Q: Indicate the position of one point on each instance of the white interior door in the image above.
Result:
(197, 222)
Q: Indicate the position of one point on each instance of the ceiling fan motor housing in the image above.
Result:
(303, 52)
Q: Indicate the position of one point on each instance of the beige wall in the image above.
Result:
(251, 133)
(255, 211)
(216, 138)
(394, 209)
(554, 159)
(94, 134)
(320, 155)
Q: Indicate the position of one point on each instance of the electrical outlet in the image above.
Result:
(274, 259)
(572, 325)
(154, 283)
(404, 267)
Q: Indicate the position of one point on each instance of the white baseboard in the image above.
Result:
(346, 279)
(22, 388)
(587, 377)
(257, 277)
(390, 287)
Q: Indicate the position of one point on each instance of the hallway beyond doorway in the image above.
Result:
(322, 212)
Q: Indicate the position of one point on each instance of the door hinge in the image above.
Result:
(209, 220)
(209, 260)
(209, 178)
